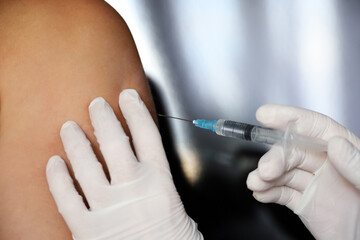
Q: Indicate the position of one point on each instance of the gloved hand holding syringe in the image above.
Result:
(288, 138)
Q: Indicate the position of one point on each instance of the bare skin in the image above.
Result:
(55, 57)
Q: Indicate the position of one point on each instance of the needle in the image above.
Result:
(183, 119)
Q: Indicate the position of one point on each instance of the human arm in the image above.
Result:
(63, 54)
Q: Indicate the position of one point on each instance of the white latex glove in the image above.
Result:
(141, 201)
(321, 188)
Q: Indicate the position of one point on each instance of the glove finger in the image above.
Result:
(296, 179)
(61, 185)
(273, 164)
(307, 122)
(305, 160)
(88, 171)
(145, 135)
(114, 144)
(345, 157)
(280, 195)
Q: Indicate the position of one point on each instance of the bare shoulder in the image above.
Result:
(55, 57)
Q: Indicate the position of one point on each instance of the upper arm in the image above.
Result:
(55, 57)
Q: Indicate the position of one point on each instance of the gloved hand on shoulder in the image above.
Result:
(141, 201)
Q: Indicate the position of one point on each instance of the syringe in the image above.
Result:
(258, 134)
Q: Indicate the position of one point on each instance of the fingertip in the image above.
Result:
(129, 95)
(260, 197)
(56, 172)
(68, 125)
(255, 183)
(131, 103)
(69, 131)
(265, 113)
(280, 195)
(53, 163)
(262, 111)
(270, 165)
(278, 116)
(95, 102)
(101, 114)
(255, 195)
(251, 180)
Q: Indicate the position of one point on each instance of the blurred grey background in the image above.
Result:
(223, 59)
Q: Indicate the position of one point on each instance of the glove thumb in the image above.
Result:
(345, 157)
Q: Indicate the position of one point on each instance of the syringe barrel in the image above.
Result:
(247, 132)
(266, 135)
(288, 138)
(233, 129)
